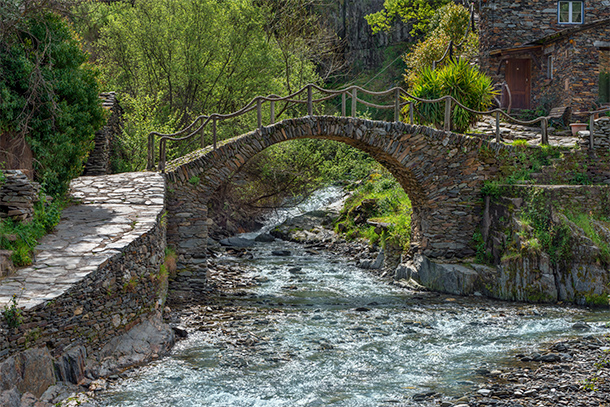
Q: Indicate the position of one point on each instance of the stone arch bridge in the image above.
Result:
(442, 172)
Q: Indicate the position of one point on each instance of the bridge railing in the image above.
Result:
(400, 99)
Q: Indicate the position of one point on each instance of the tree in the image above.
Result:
(47, 92)
(417, 12)
(450, 23)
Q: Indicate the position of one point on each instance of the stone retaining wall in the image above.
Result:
(601, 137)
(17, 195)
(521, 271)
(109, 296)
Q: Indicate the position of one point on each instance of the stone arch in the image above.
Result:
(442, 172)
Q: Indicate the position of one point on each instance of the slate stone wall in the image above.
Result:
(601, 138)
(509, 23)
(576, 58)
(442, 173)
(98, 162)
(122, 292)
(17, 195)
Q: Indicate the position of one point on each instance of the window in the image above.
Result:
(549, 67)
(570, 12)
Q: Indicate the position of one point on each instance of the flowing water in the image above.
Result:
(317, 331)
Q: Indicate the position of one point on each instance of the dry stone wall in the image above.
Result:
(442, 173)
(17, 195)
(88, 288)
(601, 139)
(522, 273)
(98, 162)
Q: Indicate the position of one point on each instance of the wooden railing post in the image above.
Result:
(592, 131)
(202, 133)
(272, 112)
(162, 146)
(150, 165)
(448, 113)
(214, 131)
(343, 103)
(397, 106)
(545, 132)
(354, 101)
(498, 136)
(259, 112)
(309, 100)
(411, 113)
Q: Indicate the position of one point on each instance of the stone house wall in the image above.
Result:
(529, 30)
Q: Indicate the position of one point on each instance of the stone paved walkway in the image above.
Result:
(510, 132)
(114, 210)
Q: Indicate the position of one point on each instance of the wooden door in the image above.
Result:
(518, 78)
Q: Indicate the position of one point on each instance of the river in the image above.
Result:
(317, 331)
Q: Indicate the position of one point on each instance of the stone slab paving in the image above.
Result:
(113, 211)
(511, 132)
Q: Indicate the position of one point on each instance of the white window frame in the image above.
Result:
(549, 67)
(571, 3)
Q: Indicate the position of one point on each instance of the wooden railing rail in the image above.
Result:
(401, 98)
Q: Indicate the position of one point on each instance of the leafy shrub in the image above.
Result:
(49, 94)
(462, 81)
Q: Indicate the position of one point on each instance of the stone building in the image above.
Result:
(549, 52)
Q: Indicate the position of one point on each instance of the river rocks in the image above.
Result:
(70, 366)
(264, 238)
(581, 326)
(29, 371)
(180, 331)
(307, 228)
(281, 253)
(443, 277)
(551, 380)
(237, 242)
(10, 398)
(142, 343)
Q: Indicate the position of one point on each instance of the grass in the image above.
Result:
(391, 206)
(21, 237)
(585, 222)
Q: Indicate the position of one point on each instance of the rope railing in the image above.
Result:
(400, 99)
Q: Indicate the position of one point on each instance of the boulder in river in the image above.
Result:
(281, 253)
(237, 242)
(264, 238)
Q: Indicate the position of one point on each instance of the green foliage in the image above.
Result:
(418, 12)
(142, 115)
(449, 23)
(297, 168)
(392, 207)
(462, 81)
(586, 222)
(194, 180)
(482, 255)
(491, 188)
(554, 238)
(21, 237)
(48, 93)
(12, 314)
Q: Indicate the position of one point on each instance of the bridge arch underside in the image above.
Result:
(440, 171)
